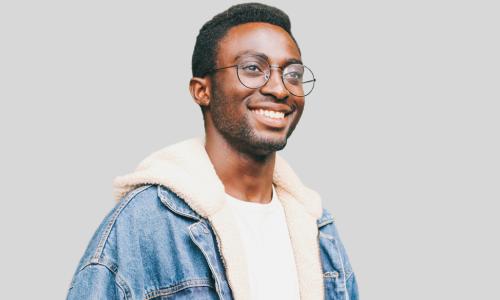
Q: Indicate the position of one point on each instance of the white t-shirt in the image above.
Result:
(271, 263)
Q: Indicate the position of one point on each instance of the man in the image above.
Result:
(223, 216)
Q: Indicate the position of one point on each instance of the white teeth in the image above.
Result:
(270, 113)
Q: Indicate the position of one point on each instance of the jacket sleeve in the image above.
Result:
(351, 282)
(95, 281)
(352, 287)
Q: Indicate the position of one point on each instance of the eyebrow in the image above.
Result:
(265, 57)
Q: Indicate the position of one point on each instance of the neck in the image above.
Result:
(244, 176)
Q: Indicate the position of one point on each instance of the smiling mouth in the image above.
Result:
(271, 119)
(277, 115)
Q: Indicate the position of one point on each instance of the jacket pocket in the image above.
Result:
(187, 289)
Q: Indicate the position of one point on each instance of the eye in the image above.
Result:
(293, 75)
(294, 78)
(251, 67)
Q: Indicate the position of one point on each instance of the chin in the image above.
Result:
(255, 142)
(266, 145)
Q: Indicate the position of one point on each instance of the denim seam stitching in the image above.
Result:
(326, 222)
(178, 287)
(343, 270)
(174, 209)
(109, 226)
(218, 288)
(119, 281)
(349, 276)
(327, 236)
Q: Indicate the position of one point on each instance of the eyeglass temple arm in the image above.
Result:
(224, 68)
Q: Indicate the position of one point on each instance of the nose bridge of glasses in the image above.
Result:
(279, 85)
(268, 71)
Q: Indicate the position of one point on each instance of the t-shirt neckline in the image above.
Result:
(255, 206)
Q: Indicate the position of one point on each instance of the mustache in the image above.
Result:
(272, 100)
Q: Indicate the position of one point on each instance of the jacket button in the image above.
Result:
(333, 274)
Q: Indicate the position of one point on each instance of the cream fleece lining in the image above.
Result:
(186, 169)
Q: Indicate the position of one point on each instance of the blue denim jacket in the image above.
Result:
(152, 245)
(174, 235)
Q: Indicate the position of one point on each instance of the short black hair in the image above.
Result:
(205, 49)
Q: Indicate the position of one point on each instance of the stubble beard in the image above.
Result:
(238, 133)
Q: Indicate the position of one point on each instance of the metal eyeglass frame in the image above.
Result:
(268, 77)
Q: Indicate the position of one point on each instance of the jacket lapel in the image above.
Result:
(302, 208)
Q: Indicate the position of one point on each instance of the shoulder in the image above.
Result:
(325, 219)
(327, 226)
(139, 205)
(136, 208)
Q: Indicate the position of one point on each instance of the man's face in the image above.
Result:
(236, 110)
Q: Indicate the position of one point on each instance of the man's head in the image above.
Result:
(207, 41)
(242, 39)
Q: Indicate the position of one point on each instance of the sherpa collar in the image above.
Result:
(186, 170)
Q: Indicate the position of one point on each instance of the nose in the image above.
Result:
(274, 85)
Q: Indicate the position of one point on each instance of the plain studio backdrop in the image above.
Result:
(400, 135)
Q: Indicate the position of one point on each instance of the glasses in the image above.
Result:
(254, 73)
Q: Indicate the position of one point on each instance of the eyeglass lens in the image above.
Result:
(297, 78)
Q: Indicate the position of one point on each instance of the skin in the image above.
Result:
(240, 144)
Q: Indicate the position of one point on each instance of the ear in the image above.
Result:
(200, 90)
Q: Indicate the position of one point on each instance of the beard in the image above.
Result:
(236, 129)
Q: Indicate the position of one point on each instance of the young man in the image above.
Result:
(223, 216)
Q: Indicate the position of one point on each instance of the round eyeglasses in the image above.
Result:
(298, 79)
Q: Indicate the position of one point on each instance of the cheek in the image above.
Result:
(300, 110)
(300, 106)
(229, 81)
(229, 103)
(230, 87)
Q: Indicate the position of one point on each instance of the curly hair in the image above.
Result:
(207, 41)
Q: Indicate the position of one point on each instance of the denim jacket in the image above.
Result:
(171, 236)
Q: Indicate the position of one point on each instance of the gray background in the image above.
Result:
(400, 137)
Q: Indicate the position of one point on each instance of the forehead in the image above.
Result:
(271, 40)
